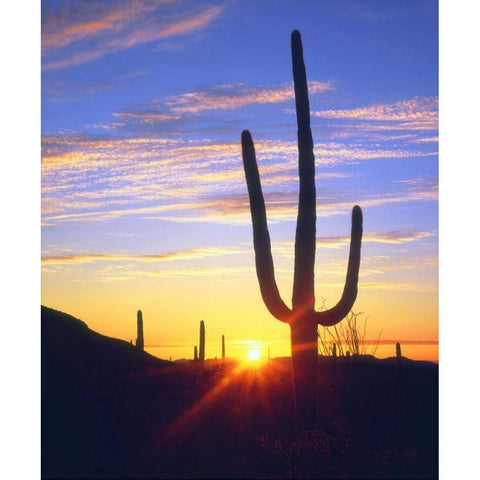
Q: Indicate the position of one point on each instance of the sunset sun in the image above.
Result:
(254, 354)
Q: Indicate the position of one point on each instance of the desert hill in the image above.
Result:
(79, 368)
(67, 343)
(110, 411)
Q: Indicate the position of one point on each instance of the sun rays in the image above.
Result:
(236, 379)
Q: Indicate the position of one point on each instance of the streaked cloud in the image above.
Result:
(187, 254)
(282, 206)
(204, 271)
(397, 286)
(77, 21)
(86, 31)
(228, 97)
(145, 117)
(416, 110)
(420, 126)
(235, 209)
(394, 237)
(58, 90)
(426, 140)
(216, 97)
(96, 178)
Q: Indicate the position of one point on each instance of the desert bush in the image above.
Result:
(349, 335)
(313, 453)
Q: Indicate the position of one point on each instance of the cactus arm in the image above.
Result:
(331, 317)
(303, 282)
(261, 237)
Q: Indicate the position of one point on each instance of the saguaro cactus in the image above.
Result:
(201, 353)
(139, 341)
(223, 346)
(195, 353)
(398, 349)
(302, 318)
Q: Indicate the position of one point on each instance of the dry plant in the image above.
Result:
(349, 336)
(313, 453)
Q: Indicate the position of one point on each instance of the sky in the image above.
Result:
(144, 200)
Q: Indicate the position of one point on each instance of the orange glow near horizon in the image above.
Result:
(230, 305)
(425, 351)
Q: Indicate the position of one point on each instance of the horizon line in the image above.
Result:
(364, 342)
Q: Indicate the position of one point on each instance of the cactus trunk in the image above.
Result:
(195, 353)
(223, 346)
(139, 342)
(304, 340)
(302, 317)
(201, 353)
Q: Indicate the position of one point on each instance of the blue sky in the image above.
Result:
(144, 202)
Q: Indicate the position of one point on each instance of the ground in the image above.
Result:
(110, 411)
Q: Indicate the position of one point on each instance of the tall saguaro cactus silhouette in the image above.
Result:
(302, 318)
(139, 342)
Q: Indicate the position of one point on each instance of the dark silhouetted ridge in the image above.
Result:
(81, 371)
(68, 344)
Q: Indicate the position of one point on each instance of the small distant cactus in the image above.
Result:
(223, 346)
(399, 353)
(139, 341)
(334, 351)
(195, 353)
(201, 353)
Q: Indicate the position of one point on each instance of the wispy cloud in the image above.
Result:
(416, 109)
(76, 21)
(236, 260)
(228, 97)
(282, 206)
(94, 178)
(425, 140)
(223, 271)
(397, 286)
(235, 209)
(62, 91)
(394, 237)
(87, 31)
(144, 117)
(187, 254)
(420, 126)
(216, 97)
